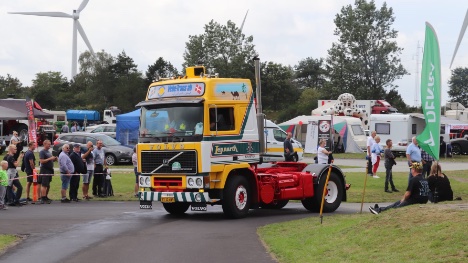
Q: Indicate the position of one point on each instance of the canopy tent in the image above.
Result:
(127, 126)
(15, 109)
(301, 126)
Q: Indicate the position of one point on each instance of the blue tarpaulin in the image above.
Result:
(127, 127)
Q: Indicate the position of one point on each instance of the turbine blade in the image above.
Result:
(460, 37)
(52, 14)
(82, 6)
(243, 22)
(85, 38)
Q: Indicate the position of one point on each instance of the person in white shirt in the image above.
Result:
(370, 142)
(376, 151)
(322, 153)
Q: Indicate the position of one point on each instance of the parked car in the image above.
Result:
(459, 145)
(114, 151)
(107, 129)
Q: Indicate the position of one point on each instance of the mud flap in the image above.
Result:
(146, 204)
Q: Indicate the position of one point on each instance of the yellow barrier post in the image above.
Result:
(324, 191)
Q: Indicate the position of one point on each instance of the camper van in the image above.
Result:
(398, 127)
(349, 135)
(275, 137)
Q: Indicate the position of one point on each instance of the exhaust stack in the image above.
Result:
(260, 116)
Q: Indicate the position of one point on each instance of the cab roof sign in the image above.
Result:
(176, 90)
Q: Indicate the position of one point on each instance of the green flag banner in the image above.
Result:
(429, 139)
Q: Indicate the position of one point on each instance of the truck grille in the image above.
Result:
(163, 162)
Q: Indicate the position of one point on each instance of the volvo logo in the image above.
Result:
(165, 162)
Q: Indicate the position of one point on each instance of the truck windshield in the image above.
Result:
(171, 123)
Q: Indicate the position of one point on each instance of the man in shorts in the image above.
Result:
(98, 181)
(47, 168)
(66, 170)
(89, 158)
(29, 166)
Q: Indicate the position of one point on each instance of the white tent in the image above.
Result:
(348, 130)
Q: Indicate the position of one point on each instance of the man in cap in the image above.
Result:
(416, 193)
(78, 164)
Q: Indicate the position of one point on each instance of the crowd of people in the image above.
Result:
(426, 182)
(73, 163)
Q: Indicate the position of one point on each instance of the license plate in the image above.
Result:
(200, 207)
(167, 199)
(146, 205)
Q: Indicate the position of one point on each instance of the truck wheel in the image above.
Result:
(333, 196)
(22, 130)
(178, 208)
(110, 159)
(236, 197)
(279, 204)
(456, 149)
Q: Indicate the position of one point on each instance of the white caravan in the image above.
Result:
(398, 127)
(275, 137)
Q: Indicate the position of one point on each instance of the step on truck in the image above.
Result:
(202, 143)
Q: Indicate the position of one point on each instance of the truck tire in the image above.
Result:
(22, 130)
(236, 197)
(278, 205)
(177, 208)
(333, 196)
(110, 159)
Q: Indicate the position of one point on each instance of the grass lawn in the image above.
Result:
(122, 183)
(6, 241)
(418, 233)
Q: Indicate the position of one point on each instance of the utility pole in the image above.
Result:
(416, 78)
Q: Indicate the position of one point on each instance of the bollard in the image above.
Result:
(35, 185)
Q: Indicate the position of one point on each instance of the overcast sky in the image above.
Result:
(284, 32)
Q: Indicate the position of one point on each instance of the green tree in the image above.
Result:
(458, 86)
(310, 73)
(278, 90)
(128, 84)
(160, 69)
(94, 82)
(10, 86)
(223, 47)
(364, 61)
(51, 91)
(395, 99)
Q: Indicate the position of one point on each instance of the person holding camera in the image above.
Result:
(389, 163)
(89, 159)
(16, 141)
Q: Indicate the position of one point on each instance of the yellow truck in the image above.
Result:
(200, 144)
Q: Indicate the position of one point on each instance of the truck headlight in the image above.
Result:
(145, 181)
(199, 182)
(197, 197)
(191, 182)
(194, 182)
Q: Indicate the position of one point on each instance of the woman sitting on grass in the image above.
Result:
(439, 185)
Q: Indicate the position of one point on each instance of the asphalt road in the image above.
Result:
(121, 232)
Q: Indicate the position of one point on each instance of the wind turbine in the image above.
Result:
(460, 36)
(76, 27)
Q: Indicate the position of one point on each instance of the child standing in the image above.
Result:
(108, 191)
(3, 184)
